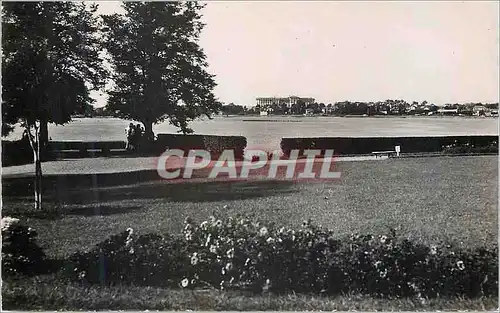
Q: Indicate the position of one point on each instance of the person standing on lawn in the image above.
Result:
(130, 134)
(137, 136)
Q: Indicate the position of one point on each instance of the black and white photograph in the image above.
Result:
(250, 155)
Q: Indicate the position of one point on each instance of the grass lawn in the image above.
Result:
(428, 199)
(45, 293)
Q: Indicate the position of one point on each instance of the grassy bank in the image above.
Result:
(425, 199)
(47, 293)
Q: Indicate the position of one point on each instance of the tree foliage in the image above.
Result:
(50, 61)
(159, 68)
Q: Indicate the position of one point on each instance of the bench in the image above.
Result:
(84, 147)
(382, 153)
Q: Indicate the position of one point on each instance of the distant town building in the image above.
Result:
(480, 110)
(289, 101)
(448, 111)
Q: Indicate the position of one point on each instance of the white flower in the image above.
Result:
(194, 259)
(218, 223)
(209, 237)
(383, 273)
(189, 236)
(212, 219)
(433, 250)
(204, 225)
(263, 231)
(266, 285)
(270, 240)
(413, 286)
(128, 241)
(185, 283)
(461, 265)
(383, 239)
(8, 221)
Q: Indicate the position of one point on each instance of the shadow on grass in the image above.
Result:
(78, 210)
(101, 188)
(101, 210)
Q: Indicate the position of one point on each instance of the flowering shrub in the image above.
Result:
(128, 258)
(456, 148)
(239, 253)
(20, 253)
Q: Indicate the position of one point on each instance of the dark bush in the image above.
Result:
(218, 144)
(366, 145)
(214, 144)
(245, 254)
(20, 252)
(16, 152)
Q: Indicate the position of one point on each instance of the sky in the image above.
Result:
(442, 52)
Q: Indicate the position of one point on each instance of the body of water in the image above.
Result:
(268, 131)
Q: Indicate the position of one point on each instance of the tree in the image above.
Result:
(50, 62)
(299, 107)
(159, 69)
(233, 109)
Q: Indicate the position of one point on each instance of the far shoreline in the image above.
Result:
(356, 116)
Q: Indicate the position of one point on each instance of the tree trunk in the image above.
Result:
(44, 139)
(44, 134)
(34, 140)
(148, 132)
(38, 182)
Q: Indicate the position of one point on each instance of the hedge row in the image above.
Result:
(366, 145)
(248, 255)
(214, 144)
(16, 152)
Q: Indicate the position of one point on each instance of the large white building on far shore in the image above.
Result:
(289, 101)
